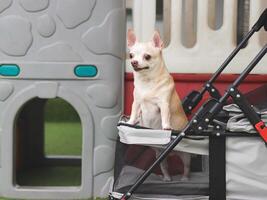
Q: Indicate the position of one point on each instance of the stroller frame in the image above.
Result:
(209, 110)
(192, 99)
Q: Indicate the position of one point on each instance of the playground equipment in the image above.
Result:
(69, 49)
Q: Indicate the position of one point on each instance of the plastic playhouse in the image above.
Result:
(73, 50)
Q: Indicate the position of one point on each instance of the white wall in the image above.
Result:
(211, 47)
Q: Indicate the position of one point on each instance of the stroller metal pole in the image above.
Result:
(262, 21)
(242, 76)
(237, 82)
(227, 61)
(190, 103)
(231, 56)
(251, 66)
(192, 100)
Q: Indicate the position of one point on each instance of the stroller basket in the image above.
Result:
(134, 154)
(207, 134)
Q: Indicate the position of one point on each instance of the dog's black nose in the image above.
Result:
(134, 63)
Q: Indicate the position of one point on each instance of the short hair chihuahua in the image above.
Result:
(156, 103)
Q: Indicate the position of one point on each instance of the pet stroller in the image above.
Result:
(227, 140)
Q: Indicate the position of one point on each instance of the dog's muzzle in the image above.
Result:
(137, 69)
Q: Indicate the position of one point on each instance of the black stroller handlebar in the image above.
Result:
(262, 22)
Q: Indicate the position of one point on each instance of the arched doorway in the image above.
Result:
(48, 144)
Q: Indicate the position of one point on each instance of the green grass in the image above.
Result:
(63, 138)
(59, 110)
(60, 139)
(50, 176)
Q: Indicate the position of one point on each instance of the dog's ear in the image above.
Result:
(131, 38)
(157, 40)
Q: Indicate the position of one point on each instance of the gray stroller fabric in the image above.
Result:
(246, 174)
(238, 122)
(246, 164)
(161, 197)
(198, 184)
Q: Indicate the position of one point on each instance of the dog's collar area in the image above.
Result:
(137, 69)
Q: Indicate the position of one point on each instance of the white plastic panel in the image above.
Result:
(212, 46)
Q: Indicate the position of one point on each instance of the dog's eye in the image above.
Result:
(131, 55)
(147, 57)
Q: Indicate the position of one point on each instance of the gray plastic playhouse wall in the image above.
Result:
(47, 39)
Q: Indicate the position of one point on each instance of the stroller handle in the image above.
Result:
(262, 21)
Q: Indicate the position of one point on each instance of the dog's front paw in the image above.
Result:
(132, 122)
(166, 127)
(166, 178)
(184, 178)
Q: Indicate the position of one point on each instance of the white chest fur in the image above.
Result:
(150, 111)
